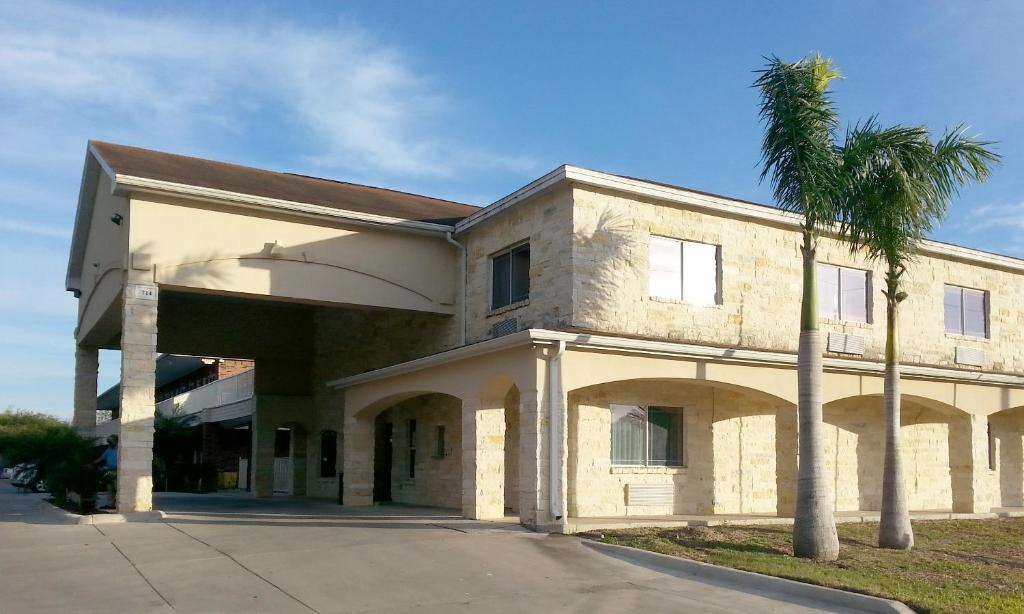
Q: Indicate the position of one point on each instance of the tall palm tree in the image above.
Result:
(800, 156)
(897, 185)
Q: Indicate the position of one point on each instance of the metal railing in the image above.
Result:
(232, 389)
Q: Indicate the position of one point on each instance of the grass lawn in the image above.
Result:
(956, 565)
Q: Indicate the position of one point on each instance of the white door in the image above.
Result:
(283, 475)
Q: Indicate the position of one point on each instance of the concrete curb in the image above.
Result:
(760, 583)
(73, 518)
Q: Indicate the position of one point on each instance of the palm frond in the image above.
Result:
(798, 152)
(897, 184)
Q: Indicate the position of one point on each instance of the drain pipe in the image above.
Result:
(556, 416)
(462, 286)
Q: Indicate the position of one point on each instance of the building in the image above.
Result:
(218, 392)
(591, 345)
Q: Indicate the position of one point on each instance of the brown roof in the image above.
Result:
(137, 162)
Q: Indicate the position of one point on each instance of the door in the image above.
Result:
(382, 459)
(283, 461)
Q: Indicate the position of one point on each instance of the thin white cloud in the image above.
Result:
(38, 230)
(364, 105)
(986, 217)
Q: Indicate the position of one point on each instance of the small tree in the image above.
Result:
(799, 154)
(897, 185)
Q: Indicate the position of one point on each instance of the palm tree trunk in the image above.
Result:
(814, 527)
(894, 530)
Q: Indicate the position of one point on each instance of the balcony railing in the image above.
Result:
(215, 394)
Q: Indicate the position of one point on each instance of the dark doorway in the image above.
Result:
(383, 454)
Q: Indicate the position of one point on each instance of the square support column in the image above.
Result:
(483, 461)
(974, 485)
(87, 366)
(357, 460)
(138, 407)
(535, 461)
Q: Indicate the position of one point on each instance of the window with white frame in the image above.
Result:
(684, 270)
(647, 436)
(842, 293)
(966, 311)
(510, 276)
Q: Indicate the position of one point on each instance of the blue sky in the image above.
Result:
(466, 101)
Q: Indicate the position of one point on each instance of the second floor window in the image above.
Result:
(842, 293)
(684, 270)
(966, 311)
(510, 276)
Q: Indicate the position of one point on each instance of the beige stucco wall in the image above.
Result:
(104, 259)
(760, 272)
(221, 248)
(1008, 440)
(546, 221)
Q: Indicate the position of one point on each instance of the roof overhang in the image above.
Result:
(125, 185)
(588, 341)
(567, 174)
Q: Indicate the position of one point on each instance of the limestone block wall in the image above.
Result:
(760, 279)
(596, 488)
(438, 479)
(546, 221)
(347, 342)
(744, 454)
(1007, 437)
(855, 448)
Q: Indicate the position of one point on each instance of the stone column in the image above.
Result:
(138, 387)
(357, 460)
(87, 366)
(534, 461)
(974, 484)
(262, 456)
(483, 460)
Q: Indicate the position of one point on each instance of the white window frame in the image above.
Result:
(717, 300)
(839, 292)
(490, 276)
(986, 302)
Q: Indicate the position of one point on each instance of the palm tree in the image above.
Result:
(799, 153)
(897, 185)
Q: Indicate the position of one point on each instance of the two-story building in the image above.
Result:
(591, 345)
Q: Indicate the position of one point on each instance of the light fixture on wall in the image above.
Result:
(117, 218)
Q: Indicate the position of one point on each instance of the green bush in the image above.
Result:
(64, 458)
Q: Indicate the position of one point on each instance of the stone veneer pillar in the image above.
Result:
(974, 484)
(483, 461)
(87, 366)
(357, 460)
(138, 387)
(534, 461)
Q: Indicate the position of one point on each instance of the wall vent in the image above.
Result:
(842, 343)
(970, 356)
(505, 327)
(650, 494)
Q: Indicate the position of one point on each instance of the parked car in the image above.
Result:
(26, 475)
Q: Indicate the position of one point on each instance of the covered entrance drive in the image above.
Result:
(235, 267)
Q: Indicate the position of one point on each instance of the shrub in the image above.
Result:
(64, 458)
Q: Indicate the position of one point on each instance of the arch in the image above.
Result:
(586, 369)
(738, 444)
(936, 448)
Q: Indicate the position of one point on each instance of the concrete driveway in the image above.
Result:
(218, 553)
